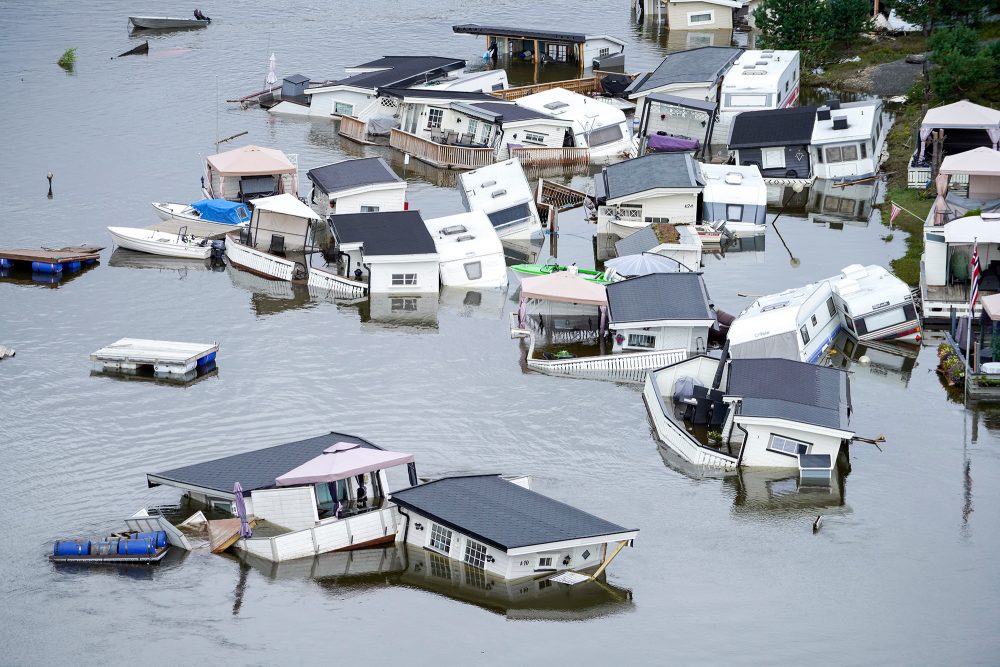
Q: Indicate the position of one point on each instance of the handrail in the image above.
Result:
(441, 155)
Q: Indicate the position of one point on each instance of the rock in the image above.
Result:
(916, 58)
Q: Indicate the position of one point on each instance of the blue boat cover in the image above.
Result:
(222, 210)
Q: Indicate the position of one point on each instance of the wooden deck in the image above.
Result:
(441, 155)
(544, 157)
(354, 129)
(53, 255)
(587, 85)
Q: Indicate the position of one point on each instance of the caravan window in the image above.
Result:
(474, 270)
(805, 334)
(508, 216)
(841, 153)
(831, 306)
(734, 212)
(604, 135)
(886, 319)
(783, 445)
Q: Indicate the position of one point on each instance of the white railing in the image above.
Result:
(336, 285)
(370, 528)
(441, 155)
(256, 261)
(676, 438)
(630, 213)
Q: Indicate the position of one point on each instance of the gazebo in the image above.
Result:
(565, 287)
(979, 168)
(972, 125)
(249, 172)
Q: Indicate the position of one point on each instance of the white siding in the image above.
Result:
(427, 277)
(667, 338)
(553, 135)
(755, 452)
(386, 200)
(678, 14)
(324, 104)
(293, 508)
(680, 208)
(592, 49)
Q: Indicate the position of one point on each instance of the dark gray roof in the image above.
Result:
(296, 78)
(659, 296)
(793, 390)
(508, 111)
(351, 174)
(435, 93)
(706, 63)
(501, 513)
(656, 170)
(773, 127)
(402, 71)
(384, 233)
(637, 242)
(679, 101)
(526, 33)
(253, 470)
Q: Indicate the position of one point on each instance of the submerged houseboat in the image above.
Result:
(597, 125)
(776, 142)
(735, 196)
(654, 188)
(362, 185)
(507, 44)
(660, 311)
(273, 244)
(693, 73)
(848, 140)
(502, 192)
(757, 80)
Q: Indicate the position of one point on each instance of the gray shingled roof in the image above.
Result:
(637, 242)
(500, 513)
(773, 127)
(253, 470)
(706, 63)
(656, 170)
(659, 296)
(509, 111)
(793, 390)
(437, 93)
(351, 174)
(401, 71)
(528, 33)
(384, 233)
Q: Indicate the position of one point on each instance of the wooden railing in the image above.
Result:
(540, 157)
(585, 86)
(354, 129)
(441, 155)
(561, 196)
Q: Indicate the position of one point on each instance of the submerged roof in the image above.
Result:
(792, 390)
(501, 513)
(399, 71)
(649, 172)
(251, 161)
(530, 33)
(351, 174)
(962, 114)
(564, 287)
(704, 64)
(384, 232)
(659, 296)
(773, 127)
(253, 470)
(982, 161)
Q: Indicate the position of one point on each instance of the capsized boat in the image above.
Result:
(602, 277)
(161, 243)
(167, 22)
(210, 218)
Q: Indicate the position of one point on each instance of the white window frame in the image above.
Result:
(404, 279)
(473, 128)
(772, 158)
(338, 109)
(473, 551)
(447, 536)
(771, 445)
(729, 215)
(632, 340)
(840, 150)
(533, 137)
(606, 51)
(432, 114)
(704, 12)
(476, 266)
(367, 208)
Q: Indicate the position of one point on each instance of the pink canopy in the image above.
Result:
(565, 287)
(251, 161)
(341, 461)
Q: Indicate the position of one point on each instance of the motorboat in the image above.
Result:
(161, 243)
(210, 218)
(166, 22)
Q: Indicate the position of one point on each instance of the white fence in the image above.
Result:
(328, 535)
(676, 438)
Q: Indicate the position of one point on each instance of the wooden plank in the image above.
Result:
(224, 533)
(139, 350)
(54, 255)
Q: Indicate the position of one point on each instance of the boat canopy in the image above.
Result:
(991, 306)
(222, 210)
(341, 461)
(251, 161)
(285, 204)
(973, 229)
(564, 287)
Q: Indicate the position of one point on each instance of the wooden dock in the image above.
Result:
(164, 356)
(65, 255)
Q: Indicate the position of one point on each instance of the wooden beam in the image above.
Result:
(607, 561)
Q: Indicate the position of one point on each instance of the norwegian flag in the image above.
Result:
(894, 211)
(974, 291)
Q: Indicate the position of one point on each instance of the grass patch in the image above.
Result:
(67, 60)
(666, 233)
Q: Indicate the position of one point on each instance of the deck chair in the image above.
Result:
(699, 414)
(718, 417)
(277, 245)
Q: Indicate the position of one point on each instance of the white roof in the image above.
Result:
(864, 286)
(861, 117)
(763, 77)
(774, 313)
(962, 114)
(496, 186)
(733, 184)
(609, 38)
(286, 204)
(464, 235)
(972, 229)
(587, 114)
(982, 161)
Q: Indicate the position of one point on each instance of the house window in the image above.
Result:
(440, 539)
(805, 334)
(475, 554)
(545, 563)
(774, 158)
(369, 209)
(403, 305)
(864, 150)
(473, 128)
(701, 18)
(641, 340)
(606, 51)
(657, 221)
(831, 306)
(813, 320)
(783, 445)
(841, 153)
(343, 109)
(557, 52)
(534, 138)
(399, 279)
(734, 212)
(434, 117)
(474, 270)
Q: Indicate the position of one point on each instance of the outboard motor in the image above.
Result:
(218, 253)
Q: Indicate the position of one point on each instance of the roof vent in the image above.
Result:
(734, 178)
(558, 104)
(767, 54)
(498, 193)
(488, 184)
(840, 123)
(761, 62)
(833, 104)
(466, 237)
(823, 113)
(454, 229)
(748, 66)
(768, 51)
(774, 306)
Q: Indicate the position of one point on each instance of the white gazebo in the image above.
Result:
(976, 171)
(968, 126)
(577, 296)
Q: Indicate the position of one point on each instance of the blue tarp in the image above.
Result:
(222, 210)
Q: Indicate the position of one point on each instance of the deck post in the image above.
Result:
(607, 561)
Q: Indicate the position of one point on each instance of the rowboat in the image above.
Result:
(210, 218)
(161, 243)
(548, 269)
(164, 22)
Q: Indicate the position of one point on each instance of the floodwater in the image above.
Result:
(726, 568)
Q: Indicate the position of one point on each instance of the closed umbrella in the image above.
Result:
(941, 204)
(241, 511)
(272, 78)
(643, 264)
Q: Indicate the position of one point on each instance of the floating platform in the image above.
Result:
(6, 352)
(51, 260)
(107, 559)
(163, 356)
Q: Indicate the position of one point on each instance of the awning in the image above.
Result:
(961, 115)
(564, 287)
(251, 161)
(286, 204)
(991, 306)
(340, 461)
(973, 229)
(980, 161)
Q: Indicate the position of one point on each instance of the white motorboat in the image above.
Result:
(161, 243)
(166, 22)
(209, 218)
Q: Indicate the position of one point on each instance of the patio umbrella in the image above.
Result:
(272, 78)
(941, 204)
(521, 310)
(241, 511)
(642, 264)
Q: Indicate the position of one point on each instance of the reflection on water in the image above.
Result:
(836, 205)
(466, 302)
(416, 313)
(268, 297)
(146, 374)
(122, 258)
(21, 274)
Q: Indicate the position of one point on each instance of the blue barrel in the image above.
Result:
(135, 548)
(5, 263)
(159, 538)
(46, 267)
(71, 548)
(46, 278)
(88, 262)
(104, 548)
(72, 266)
(207, 359)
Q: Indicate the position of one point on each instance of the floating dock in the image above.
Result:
(163, 356)
(51, 260)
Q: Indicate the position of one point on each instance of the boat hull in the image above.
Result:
(157, 243)
(173, 219)
(165, 22)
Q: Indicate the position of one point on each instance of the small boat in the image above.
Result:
(709, 233)
(602, 277)
(211, 218)
(166, 22)
(161, 243)
(120, 548)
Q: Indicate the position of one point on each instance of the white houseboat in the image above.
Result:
(660, 311)
(654, 188)
(680, 243)
(848, 140)
(363, 185)
(250, 172)
(392, 252)
(694, 73)
(776, 142)
(775, 413)
(597, 125)
(502, 192)
(735, 195)
(505, 530)
(756, 81)
(469, 250)
(706, 15)
(875, 305)
(273, 245)
(551, 46)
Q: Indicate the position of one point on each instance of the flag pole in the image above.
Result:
(908, 211)
(973, 297)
